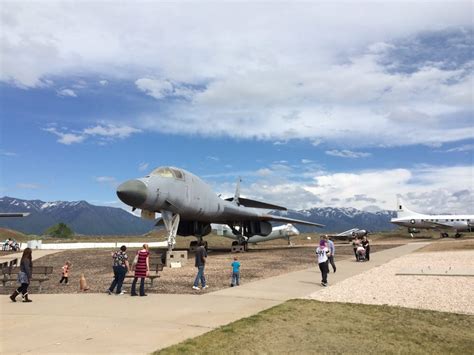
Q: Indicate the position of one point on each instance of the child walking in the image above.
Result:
(65, 273)
(235, 273)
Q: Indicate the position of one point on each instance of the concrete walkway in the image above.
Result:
(99, 323)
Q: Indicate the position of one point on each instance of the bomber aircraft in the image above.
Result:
(415, 221)
(188, 206)
(281, 232)
(350, 234)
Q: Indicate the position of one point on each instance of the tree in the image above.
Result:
(60, 230)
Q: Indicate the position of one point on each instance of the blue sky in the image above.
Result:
(312, 104)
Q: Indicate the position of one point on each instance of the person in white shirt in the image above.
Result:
(322, 252)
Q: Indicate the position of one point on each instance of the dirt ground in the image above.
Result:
(261, 261)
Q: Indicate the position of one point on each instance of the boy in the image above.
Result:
(65, 272)
(235, 273)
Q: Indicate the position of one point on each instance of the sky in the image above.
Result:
(312, 104)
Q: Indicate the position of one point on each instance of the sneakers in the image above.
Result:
(109, 292)
(196, 288)
(121, 293)
(205, 287)
(324, 284)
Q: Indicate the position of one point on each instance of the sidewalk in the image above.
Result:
(98, 323)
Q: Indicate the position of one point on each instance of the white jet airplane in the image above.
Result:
(443, 223)
(351, 234)
(281, 232)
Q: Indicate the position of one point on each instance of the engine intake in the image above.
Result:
(195, 228)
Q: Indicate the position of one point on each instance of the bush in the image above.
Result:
(60, 230)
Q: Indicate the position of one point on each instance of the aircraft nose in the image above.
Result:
(132, 192)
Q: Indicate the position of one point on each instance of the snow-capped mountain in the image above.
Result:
(81, 216)
(88, 219)
(342, 219)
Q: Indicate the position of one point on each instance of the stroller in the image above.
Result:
(360, 253)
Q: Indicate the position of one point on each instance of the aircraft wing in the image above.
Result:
(269, 217)
(257, 204)
(14, 214)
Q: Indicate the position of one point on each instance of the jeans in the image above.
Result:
(23, 289)
(142, 286)
(119, 276)
(235, 278)
(324, 272)
(331, 261)
(200, 276)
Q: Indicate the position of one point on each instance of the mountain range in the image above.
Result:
(87, 219)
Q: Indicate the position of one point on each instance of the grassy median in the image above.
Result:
(306, 326)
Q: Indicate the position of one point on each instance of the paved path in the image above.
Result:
(99, 323)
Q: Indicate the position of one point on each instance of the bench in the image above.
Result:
(39, 274)
(156, 265)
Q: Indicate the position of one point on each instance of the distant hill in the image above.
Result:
(81, 216)
(88, 219)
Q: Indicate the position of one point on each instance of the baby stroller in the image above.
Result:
(360, 253)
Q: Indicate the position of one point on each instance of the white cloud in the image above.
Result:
(306, 161)
(143, 166)
(264, 66)
(111, 131)
(6, 153)
(67, 93)
(462, 148)
(109, 180)
(347, 154)
(429, 189)
(66, 138)
(103, 82)
(102, 131)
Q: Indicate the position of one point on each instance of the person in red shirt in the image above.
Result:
(142, 267)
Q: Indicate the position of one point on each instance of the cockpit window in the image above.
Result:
(177, 173)
(163, 172)
(168, 173)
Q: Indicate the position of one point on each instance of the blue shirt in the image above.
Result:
(332, 249)
(235, 266)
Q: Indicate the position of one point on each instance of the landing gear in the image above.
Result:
(457, 235)
(171, 221)
(194, 244)
(444, 235)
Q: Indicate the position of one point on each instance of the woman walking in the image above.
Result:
(120, 268)
(141, 268)
(24, 276)
(322, 252)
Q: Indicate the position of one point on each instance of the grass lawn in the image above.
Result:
(307, 326)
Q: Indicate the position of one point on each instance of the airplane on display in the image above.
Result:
(281, 232)
(13, 214)
(351, 234)
(188, 206)
(415, 221)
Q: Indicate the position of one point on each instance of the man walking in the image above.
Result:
(200, 262)
(332, 250)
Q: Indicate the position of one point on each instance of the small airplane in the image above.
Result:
(13, 214)
(281, 232)
(350, 234)
(188, 206)
(415, 221)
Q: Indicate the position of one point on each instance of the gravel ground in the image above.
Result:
(382, 286)
(260, 262)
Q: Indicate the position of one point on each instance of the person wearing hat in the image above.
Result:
(323, 252)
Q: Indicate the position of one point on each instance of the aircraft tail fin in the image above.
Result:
(237, 191)
(402, 210)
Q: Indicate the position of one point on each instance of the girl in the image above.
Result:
(141, 268)
(24, 276)
(322, 252)
(65, 272)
